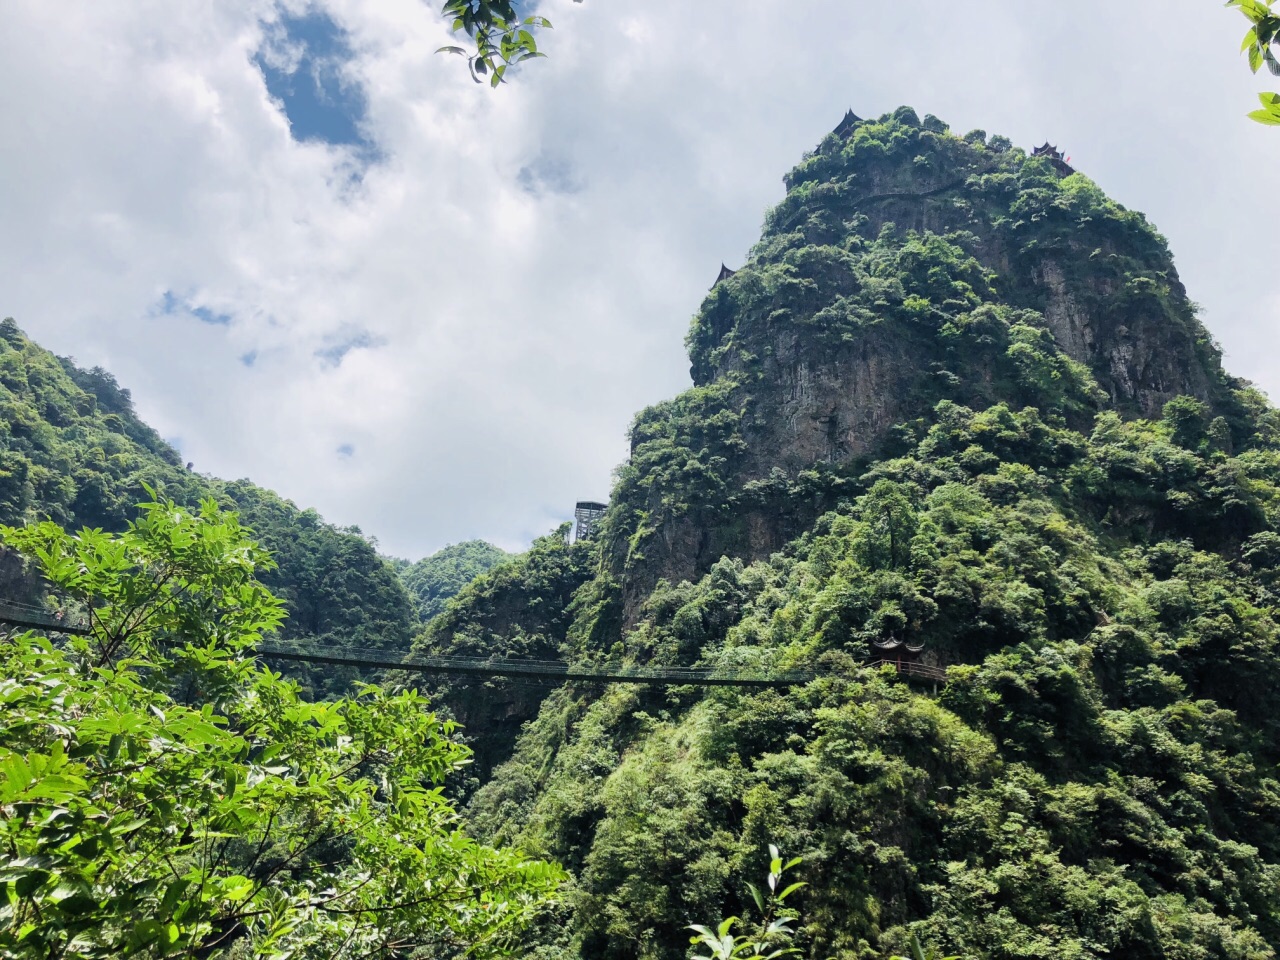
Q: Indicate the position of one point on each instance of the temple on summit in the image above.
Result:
(1054, 155)
(725, 274)
(845, 126)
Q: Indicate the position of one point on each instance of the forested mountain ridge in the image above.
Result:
(956, 400)
(434, 580)
(521, 608)
(73, 450)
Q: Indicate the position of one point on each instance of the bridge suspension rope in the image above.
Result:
(547, 671)
(27, 615)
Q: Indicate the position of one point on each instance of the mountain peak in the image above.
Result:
(907, 270)
(896, 234)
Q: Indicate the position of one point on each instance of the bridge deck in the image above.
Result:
(560, 671)
(552, 671)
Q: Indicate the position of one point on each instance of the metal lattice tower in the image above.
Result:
(587, 515)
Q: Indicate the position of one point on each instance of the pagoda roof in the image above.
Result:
(725, 274)
(845, 126)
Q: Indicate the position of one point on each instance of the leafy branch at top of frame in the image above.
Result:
(501, 38)
(1259, 44)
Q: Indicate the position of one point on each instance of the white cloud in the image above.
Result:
(505, 335)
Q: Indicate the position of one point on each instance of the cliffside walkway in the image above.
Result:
(553, 671)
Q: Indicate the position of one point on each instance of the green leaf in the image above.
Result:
(236, 889)
(1252, 9)
(791, 889)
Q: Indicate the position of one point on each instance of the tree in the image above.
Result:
(890, 524)
(1259, 43)
(162, 794)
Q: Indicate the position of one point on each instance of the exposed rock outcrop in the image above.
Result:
(907, 266)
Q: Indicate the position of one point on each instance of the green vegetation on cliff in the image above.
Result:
(958, 402)
(433, 581)
(519, 609)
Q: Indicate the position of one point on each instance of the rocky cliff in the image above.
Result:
(907, 266)
(955, 403)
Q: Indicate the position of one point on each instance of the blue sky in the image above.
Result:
(303, 59)
(327, 260)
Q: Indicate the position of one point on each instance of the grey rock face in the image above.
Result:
(816, 392)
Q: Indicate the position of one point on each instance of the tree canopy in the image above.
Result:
(164, 795)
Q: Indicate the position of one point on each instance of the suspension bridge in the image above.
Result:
(547, 671)
(38, 618)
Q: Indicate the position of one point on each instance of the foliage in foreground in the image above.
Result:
(163, 795)
(770, 936)
(1260, 43)
(499, 36)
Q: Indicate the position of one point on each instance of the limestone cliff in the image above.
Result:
(905, 266)
(956, 405)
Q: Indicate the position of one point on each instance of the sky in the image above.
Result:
(321, 257)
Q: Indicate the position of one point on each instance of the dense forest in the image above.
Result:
(436, 579)
(956, 402)
(956, 409)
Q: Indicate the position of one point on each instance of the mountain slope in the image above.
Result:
(73, 450)
(433, 581)
(904, 267)
(957, 407)
(521, 608)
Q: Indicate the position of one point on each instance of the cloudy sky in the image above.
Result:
(322, 258)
